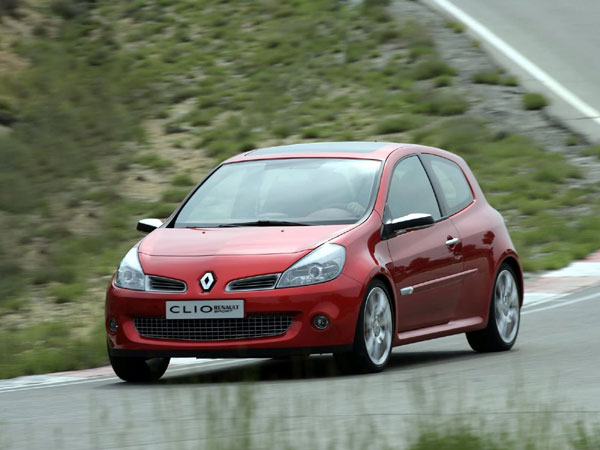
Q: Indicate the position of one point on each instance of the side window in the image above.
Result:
(410, 190)
(455, 188)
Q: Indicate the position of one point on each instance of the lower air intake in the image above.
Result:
(212, 329)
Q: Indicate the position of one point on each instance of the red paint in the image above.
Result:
(453, 284)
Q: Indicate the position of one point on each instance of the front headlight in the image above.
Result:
(130, 274)
(322, 264)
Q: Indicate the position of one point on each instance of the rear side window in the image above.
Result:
(455, 188)
(411, 191)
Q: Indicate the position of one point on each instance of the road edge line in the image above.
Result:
(519, 59)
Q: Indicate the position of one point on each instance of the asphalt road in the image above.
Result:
(559, 37)
(550, 378)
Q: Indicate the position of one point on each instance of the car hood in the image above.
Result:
(238, 240)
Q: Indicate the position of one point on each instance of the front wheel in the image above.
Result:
(139, 370)
(504, 317)
(374, 333)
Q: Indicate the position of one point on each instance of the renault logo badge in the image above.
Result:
(207, 281)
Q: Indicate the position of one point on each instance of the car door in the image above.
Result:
(477, 238)
(426, 263)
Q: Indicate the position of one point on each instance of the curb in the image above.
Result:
(576, 276)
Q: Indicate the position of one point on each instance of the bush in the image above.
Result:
(455, 26)
(442, 104)
(397, 124)
(486, 78)
(431, 68)
(182, 179)
(174, 195)
(594, 150)
(9, 7)
(533, 101)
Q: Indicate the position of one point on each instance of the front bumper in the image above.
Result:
(339, 300)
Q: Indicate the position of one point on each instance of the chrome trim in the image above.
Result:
(452, 241)
(407, 290)
(230, 288)
(148, 288)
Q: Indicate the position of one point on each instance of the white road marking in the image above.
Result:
(561, 304)
(518, 58)
(534, 298)
(25, 384)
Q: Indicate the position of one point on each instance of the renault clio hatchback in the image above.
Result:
(348, 248)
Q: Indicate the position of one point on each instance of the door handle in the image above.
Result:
(453, 241)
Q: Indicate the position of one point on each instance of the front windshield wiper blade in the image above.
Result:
(263, 223)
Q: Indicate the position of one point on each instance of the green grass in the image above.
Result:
(174, 195)
(594, 150)
(182, 179)
(223, 79)
(398, 124)
(495, 77)
(49, 347)
(153, 161)
(455, 26)
(534, 101)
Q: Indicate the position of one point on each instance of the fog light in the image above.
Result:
(113, 325)
(320, 322)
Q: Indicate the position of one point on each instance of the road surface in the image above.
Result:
(552, 370)
(552, 45)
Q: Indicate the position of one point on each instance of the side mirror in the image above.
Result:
(405, 223)
(148, 225)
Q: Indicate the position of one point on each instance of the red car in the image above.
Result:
(348, 248)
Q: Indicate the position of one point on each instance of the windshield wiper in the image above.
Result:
(263, 223)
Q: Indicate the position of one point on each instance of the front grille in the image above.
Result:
(161, 284)
(258, 283)
(212, 329)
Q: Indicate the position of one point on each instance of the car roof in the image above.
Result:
(360, 150)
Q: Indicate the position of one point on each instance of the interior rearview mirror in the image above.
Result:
(148, 225)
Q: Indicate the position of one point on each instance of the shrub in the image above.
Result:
(182, 179)
(9, 7)
(455, 26)
(534, 101)
(442, 104)
(174, 195)
(486, 78)
(397, 124)
(152, 161)
(594, 150)
(431, 68)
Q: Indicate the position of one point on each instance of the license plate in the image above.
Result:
(206, 309)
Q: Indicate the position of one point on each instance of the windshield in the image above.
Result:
(301, 191)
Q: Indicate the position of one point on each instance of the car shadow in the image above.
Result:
(314, 367)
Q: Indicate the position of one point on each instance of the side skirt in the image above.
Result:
(446, 329)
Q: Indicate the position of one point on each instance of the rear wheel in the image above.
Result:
(140, 370)
(504, 317)
(374, 333)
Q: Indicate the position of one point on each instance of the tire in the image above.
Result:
(374, 333)
(504, 316)
(139, 370)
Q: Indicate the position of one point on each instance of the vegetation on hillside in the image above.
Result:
(219, 78)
